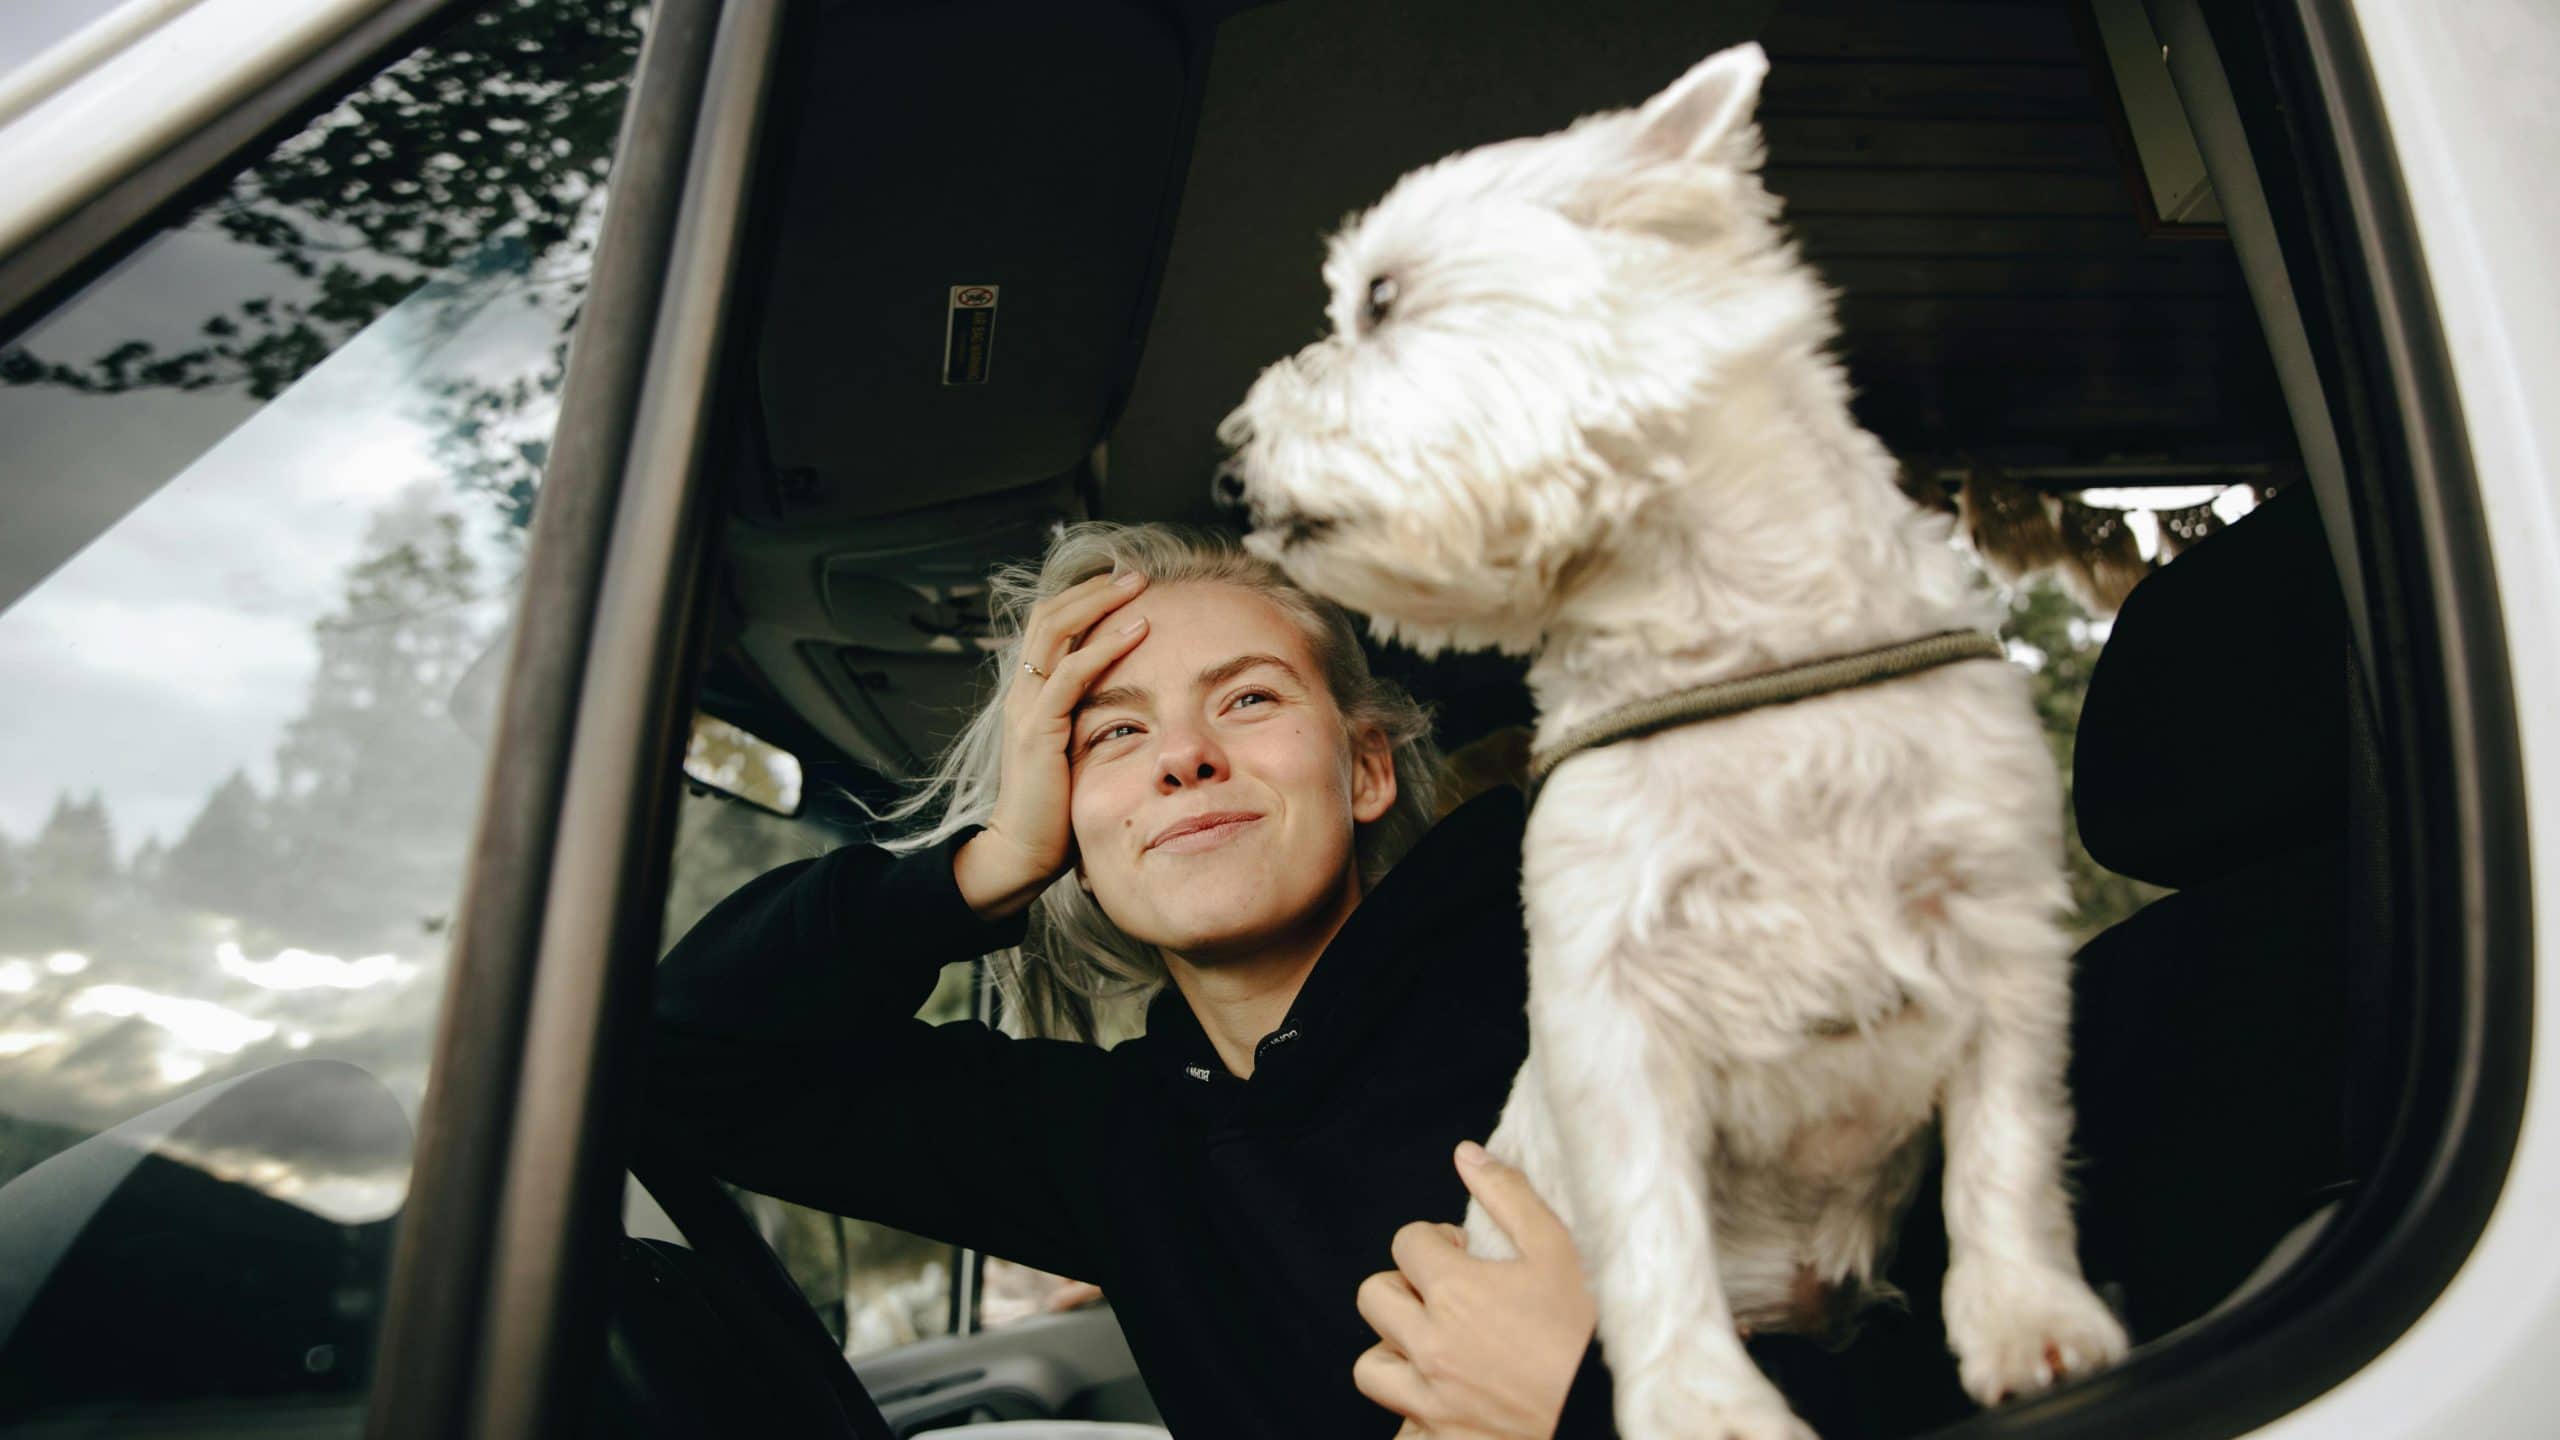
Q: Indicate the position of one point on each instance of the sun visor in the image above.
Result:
(979, 199)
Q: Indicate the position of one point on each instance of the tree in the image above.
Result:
(2067, 642)
(376, 783)
(68, 876)
(227, 860)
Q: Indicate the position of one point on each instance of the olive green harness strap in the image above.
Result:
(1751, 692)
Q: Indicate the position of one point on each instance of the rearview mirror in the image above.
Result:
(720, 756)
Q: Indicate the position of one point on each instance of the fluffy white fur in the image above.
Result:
(1576, 404)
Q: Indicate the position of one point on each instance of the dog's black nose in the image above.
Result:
(1228, 488)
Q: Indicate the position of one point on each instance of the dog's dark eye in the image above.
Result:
(1382, 298)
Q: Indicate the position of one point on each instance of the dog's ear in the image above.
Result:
(1705, 109)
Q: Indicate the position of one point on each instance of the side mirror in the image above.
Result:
(723, 758)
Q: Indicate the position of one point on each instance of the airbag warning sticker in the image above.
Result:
(970, 341)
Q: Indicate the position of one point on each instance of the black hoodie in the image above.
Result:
(1229, 1221)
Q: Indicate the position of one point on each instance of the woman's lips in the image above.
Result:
(1208, 837)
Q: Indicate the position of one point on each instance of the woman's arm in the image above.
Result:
(784, 1054)
(785, 1051)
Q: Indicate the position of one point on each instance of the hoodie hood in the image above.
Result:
(1459, 885)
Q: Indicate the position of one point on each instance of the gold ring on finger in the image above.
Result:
(1036, 671)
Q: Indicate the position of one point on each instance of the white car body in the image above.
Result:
(2476, 130)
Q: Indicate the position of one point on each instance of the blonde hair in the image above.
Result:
(1075, 964)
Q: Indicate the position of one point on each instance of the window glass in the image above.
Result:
(1008, 1293)
(267, 488)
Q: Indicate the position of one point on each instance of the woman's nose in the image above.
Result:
(1188, 757)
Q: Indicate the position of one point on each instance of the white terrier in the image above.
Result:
(1576, 404)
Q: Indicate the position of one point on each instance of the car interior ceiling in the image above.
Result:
(1146, 185)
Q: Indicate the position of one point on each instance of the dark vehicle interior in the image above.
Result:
(1145, 187)
(1006, 264)
(1956, 170)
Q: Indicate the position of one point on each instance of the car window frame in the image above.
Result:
(123, 212)
(618, 520)
(497, 1295)
(2444, 715)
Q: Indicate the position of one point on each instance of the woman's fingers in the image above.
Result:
(1390, 1379)
(1056, 624)
(1425, 1253)
(1514, 1204)
(1074, 674)
(1033, 788)
(1387, 1301)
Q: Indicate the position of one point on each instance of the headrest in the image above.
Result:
(2214, 733)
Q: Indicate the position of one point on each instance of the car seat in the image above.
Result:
(2222, 752)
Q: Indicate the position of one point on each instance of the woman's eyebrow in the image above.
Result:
(1209, 679)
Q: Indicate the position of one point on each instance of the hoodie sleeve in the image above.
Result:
(785, 1055)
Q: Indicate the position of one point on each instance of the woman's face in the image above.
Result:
(1219, 715)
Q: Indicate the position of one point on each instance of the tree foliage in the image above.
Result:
(2067, 641)
(484, 152)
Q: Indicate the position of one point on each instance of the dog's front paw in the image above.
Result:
(2017, 1329)
(1706, 1402)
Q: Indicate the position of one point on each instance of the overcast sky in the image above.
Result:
(166, 554)
(174, 646)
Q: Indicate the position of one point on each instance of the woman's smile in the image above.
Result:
(1205, 832)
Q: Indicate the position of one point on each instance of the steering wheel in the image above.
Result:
(716, 1339)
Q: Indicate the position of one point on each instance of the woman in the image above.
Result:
(1191, 785)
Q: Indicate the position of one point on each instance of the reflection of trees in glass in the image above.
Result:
(484, 154)
(374, 774)
(356, 852)
(67, 878)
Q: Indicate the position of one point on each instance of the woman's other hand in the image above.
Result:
(1474, 1349)
(1027, 843)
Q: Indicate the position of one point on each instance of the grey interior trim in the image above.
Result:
(1041, 1362)
(2289, 1248)
(600, 910)
(1061, 1431)
(2196, 68)
(441, 1268)
(2172, 169)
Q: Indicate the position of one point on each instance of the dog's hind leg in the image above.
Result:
(2019, 1316)
(1525, 1139)
(1636, 1160)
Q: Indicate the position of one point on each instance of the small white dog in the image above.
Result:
(1576, 404)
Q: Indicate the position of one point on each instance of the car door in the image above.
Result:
(342, 602)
